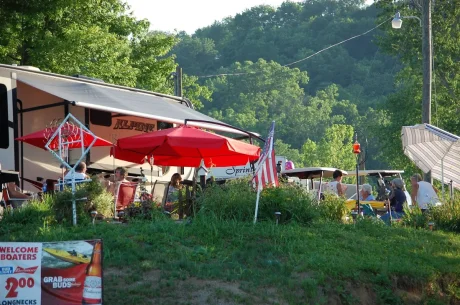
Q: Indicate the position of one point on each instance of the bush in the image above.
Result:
(35, 212)
(146, 210)
(415, 218)
(293, 202)
(446, 216)
(89, 196)
(236, 200)
(233, 200)
(332, 208)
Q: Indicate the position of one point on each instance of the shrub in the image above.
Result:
(332, 208)
(146, 209)
(233, 200)
(446, 216)
(33, 213)
(89, 196)
(415, 218)
(236, 200)
(294, 203)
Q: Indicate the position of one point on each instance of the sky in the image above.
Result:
(190, 15)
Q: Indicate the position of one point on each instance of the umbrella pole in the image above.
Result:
(442, 177)
(320, 186)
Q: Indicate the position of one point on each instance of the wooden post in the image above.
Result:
(427, 67)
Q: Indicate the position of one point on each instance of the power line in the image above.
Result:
(300, 60)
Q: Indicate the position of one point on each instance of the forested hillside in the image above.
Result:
(318, 102)
(270, 70)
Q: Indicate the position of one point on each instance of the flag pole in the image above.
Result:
(259, 179)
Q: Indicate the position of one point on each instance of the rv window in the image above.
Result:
(164, 125)
(4, 130)
(99, 117)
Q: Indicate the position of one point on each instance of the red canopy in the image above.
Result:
(69, 132)
(186, 146)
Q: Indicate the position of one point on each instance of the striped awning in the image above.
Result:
(433, 149)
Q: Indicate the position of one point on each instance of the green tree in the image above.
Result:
(333, 150)
(96, 38)
(404, 107)
(260, 93)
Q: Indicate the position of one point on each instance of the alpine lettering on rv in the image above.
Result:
(133, 125)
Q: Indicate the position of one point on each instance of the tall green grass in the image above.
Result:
(236, 200)
(311, 257)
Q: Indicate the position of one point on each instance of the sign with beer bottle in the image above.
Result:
(92, 289)
(51, 273)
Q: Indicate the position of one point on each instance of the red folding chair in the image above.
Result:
(126, 192)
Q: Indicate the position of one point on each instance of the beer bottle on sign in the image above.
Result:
(92, 290)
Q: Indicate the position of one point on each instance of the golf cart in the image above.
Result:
(380, 182)
(312, 173)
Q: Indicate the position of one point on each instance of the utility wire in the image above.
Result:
(300, 60)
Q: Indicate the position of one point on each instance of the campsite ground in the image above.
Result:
(216, 262)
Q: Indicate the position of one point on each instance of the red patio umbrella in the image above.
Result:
(186, 146)
(68, 131)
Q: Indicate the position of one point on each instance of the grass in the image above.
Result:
(231, 262)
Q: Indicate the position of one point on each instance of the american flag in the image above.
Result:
(266, 167)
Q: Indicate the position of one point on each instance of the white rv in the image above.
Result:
(30, 100)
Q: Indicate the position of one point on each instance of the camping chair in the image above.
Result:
(126, 193)
(9, 201)
(160, 192)
(368, 210)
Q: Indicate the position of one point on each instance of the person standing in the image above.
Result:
(423, 193)
(336, 185)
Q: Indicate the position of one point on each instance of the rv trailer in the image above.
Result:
(30, 100)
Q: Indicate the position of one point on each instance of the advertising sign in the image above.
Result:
(63, 273)
(20, 273)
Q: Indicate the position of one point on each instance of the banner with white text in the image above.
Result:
(54, 273)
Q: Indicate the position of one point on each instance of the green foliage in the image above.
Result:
(332, 208)
(291, 264)
(232, 200)
(89, 196)
(145, 210)
(447, 216)
(235, 200)
(415, 218)
(35, 213)
(291, 201)
(333, 150)
(100, 39)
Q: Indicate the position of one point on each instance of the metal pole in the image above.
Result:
(357, 184)
(178, 81)
(427, 67)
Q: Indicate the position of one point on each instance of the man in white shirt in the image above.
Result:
(423, 193)
(80, 173)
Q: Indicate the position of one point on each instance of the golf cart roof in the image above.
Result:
(312, 172)
(377, 172)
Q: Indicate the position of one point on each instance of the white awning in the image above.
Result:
(123, 100)
(433, 149)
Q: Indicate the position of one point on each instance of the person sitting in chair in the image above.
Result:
(365, 194)
(173, 191)
(396, 201)
(80, 173)
(120, 176)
